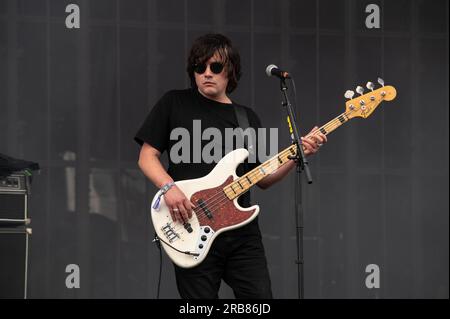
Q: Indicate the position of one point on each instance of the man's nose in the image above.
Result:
(208, 72)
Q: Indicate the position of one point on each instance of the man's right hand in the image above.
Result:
(179, 205)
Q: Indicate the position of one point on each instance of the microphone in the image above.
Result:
(274, 70)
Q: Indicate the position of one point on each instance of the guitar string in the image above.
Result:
(335, 123)
(220, 197)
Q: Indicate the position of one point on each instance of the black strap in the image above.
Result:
(242, 119)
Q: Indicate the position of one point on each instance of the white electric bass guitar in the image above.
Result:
(215, 195)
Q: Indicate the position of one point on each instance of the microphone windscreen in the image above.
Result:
(270, 68)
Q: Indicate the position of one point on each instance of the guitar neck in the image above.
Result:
(245, 182)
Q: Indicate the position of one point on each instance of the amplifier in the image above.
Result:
(14, 191)
(14, 249)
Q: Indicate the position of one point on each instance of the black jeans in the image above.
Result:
(239, 260)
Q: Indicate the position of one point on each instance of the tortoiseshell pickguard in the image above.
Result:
(223, 211)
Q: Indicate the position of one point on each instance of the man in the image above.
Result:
(236, 256)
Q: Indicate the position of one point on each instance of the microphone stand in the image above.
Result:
(302, 164)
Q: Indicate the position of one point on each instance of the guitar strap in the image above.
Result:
(242, 119)
(250, 145)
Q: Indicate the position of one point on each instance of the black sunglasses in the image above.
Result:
(215, 67)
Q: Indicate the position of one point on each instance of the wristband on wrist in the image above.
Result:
(164, 189)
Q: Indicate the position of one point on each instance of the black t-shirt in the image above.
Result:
(186, 114)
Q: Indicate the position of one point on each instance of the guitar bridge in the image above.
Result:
(170, 233)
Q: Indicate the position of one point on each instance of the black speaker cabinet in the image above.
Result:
(14, 249)
(14, 191)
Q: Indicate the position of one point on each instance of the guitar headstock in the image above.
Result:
(365, 104)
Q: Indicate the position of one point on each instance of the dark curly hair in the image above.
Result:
(204, 48)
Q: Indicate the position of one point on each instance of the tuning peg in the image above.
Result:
(381, 81)
(360, 90)
(370, 86)
(349, 94)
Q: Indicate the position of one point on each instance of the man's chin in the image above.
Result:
(210, 92)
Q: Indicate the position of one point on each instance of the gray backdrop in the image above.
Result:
(72, 99)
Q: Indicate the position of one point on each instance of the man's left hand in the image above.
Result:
(313, 141)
